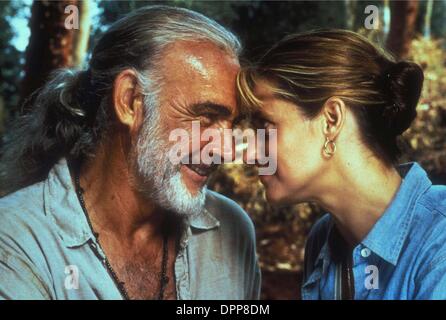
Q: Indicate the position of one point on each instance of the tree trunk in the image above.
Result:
(81, 36)
(51, 44)
(386, 18)
(428, 18)
(402, 26)
(350, 8)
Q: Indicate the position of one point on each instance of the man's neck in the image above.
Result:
(113, 205)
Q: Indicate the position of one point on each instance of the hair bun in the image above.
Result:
(403, 82)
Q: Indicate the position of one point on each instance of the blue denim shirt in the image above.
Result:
(45, 241)
(402, 257)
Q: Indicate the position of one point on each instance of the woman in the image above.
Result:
(339, 104)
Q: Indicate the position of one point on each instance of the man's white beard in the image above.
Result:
(158, 178)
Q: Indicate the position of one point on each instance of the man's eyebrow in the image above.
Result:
(206, 107)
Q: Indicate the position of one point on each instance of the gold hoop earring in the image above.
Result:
(329, 147)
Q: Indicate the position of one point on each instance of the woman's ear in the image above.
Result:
(333, 113)
(127, 100)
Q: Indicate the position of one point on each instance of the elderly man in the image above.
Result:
(95, 209)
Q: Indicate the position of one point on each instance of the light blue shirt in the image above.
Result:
(45, 241)
(402, 257)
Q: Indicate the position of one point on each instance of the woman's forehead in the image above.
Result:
(264, 90)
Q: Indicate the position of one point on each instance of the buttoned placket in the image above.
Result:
(362, 257)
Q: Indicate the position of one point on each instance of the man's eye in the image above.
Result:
(267, 125)
(207, 118)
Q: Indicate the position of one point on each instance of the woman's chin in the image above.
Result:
(273, 196)
(270, 190)
(276, 194)
(279, 197)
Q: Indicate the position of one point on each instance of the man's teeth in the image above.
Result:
(202, 171)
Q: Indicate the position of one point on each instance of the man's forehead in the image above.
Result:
(199, 72)
(198, 58)
(196, 63)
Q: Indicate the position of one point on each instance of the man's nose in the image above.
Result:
(226, 124)
(226, 151)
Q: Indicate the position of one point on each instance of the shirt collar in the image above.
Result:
(64, 209)
(389, 233)
(63, 205)
(204, 221)
(387, 236)
(324, 253)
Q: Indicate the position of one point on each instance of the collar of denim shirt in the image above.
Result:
(389, 233)
(63, 208)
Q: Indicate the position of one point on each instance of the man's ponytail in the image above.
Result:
(58, 120)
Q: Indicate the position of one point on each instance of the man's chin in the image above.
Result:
(193, 182)
(179, 197)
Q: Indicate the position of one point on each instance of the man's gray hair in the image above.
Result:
(70, 115)
(175, 24)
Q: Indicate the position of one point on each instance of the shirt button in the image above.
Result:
(365, 252)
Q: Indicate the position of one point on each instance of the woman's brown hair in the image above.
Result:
(309, 68)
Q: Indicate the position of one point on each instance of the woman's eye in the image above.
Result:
(267, 125)
(259, 123)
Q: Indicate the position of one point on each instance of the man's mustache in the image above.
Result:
(193, 161)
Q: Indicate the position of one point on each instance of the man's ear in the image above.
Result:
(127, 100)
(333, 113)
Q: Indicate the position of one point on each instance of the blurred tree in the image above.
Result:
(438, 20)
(51, 44)
(428, 18)
(351, 7)
(81, 37)
(262, 23)
(402, 26)
(425, 140)
(386, 17)
(258, 23)
(10, 65)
